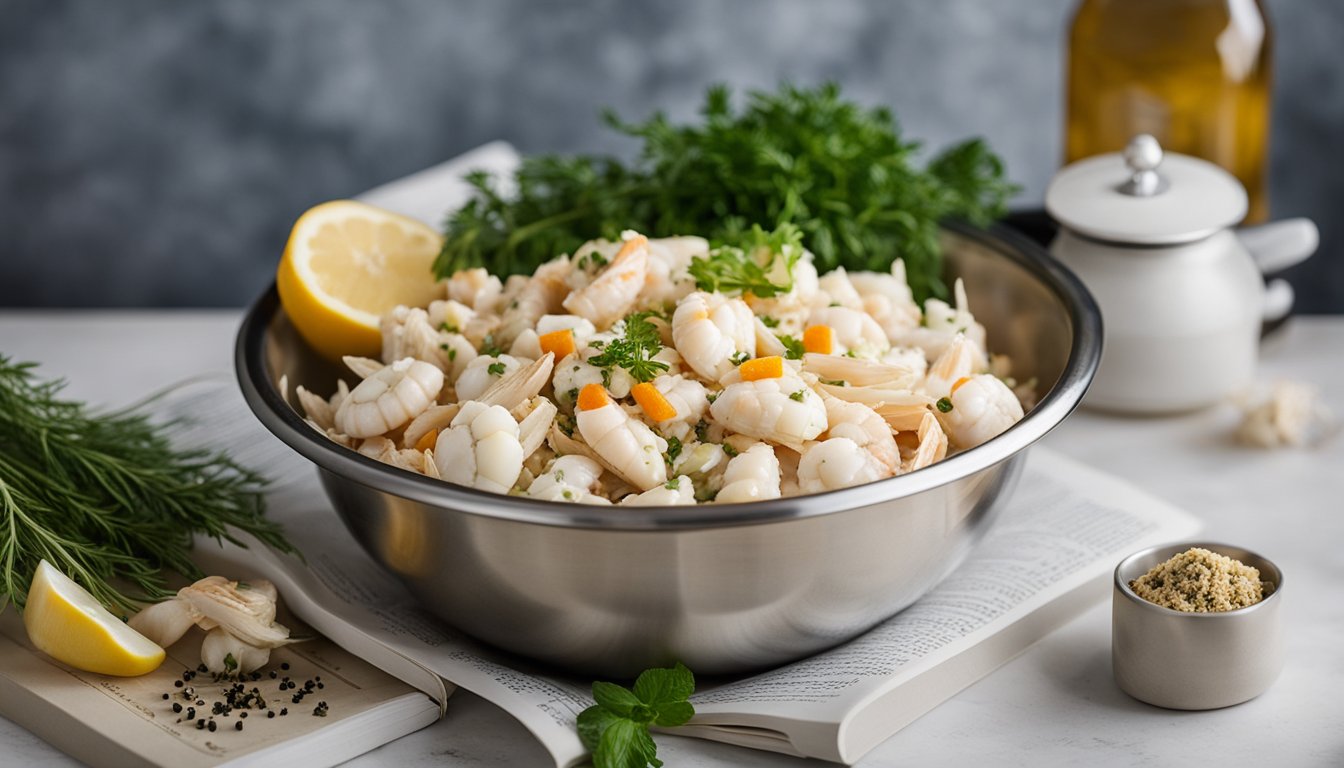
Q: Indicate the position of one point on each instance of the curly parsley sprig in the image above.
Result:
(616, 728)
(760, 264)
(634, 350)
(838, 170)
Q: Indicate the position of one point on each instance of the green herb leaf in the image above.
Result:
(639, 342)
(793, 348)
(615, 698)
(839, 171)
(798, 396)
(495, 369)
(673, 449)
(616, 728)
(754, 266)
(657, 686)
(944, 404)
(106, 498)
(230, 664)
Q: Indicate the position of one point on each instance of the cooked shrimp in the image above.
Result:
(688, 398)
(836, 289)
(837, 463)
(542, 294)
(482, 373)
(612, 293)
(475, 288)
(579, 326)
(569, 478)
(708, 330)
(481, 449)
(852, 332)
(668, 279)
(957, 362)
(982, 407)
(627, 446)
(675, 492)
(888, 299)
(752, 475)
(942, 322)
(867, 429)
(783, 410)
(389, 398)
(407, 332)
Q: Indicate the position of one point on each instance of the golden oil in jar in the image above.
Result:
(1193, 73)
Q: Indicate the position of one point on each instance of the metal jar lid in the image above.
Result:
(1142, 197)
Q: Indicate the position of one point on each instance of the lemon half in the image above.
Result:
(345, 265)
(65, 622)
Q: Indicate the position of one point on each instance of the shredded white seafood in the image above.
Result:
(612, 377)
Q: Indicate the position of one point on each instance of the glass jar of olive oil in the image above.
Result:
(1193, 73)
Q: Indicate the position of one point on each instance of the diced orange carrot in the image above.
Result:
(592, 397)
(762, 368)
(560, 343)
(653, 402)
(427, 442)
(819, 339)
(957, 384)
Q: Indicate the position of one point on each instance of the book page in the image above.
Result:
(1066, 526)
(153, 719)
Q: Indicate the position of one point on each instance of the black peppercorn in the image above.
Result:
(177, 683)
(211, 725)
(238, 726)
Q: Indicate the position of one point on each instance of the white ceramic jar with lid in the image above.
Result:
(1182, 295)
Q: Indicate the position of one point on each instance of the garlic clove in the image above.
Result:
(164, 623)
(220, 648)
(245, 612)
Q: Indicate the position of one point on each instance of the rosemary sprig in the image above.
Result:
(106, 498)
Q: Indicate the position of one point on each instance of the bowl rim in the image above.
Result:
(1084, 356)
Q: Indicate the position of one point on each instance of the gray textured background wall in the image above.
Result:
(156, 153)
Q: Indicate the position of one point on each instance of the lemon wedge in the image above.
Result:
(65, 622)
(345, 265)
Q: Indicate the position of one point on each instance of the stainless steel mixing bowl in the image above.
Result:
(723, 588)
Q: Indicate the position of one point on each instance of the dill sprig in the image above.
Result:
(106, 498)
(839, 171)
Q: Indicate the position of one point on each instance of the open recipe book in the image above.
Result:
(1048, 557)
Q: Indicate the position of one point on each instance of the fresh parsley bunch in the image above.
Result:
(839, 171)
(616, 728)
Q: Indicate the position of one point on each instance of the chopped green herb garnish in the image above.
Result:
(634, 350)
(701, 429)
(452, 353)
(572, 394)
(770, 321)
(616, 728)
(793, 348)
(798, 396)
(730, 450)
(738, 358)
(489, 348)
(495, 369)
(673, 484)
(449, 327)
(944, 404)
(835, 382)
(673, 449)
(230, 664)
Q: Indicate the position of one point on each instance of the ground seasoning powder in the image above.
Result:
(1200, 581)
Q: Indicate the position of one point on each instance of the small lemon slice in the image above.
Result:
(65, 622)
(345, 265)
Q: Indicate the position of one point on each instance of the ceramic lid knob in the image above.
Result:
(1142, 156)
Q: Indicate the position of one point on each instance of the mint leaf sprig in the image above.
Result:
(616, 728)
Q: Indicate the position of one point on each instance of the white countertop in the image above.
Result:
(1056, 704)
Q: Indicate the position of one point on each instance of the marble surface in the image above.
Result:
(1055, 705)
